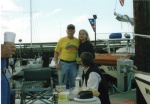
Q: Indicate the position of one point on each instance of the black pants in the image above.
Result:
(12, 96)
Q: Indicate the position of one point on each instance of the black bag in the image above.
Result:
(85, 94)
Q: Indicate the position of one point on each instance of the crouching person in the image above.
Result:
(93, 78)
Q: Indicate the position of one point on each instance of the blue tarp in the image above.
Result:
(115, 35)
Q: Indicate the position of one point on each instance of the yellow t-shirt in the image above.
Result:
(67, 48)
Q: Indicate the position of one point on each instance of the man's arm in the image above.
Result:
(7, 50)
(56, 55)
(94, 80)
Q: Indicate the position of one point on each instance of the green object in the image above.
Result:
(78, 59)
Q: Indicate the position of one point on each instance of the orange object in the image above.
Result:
(108, 59)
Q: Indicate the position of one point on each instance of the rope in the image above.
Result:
(114, 87)
(143, 36)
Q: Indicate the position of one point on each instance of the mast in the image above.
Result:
(31, 21)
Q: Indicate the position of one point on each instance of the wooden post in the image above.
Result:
(142, 52)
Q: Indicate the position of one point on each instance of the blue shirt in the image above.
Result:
(3, 63)
(5, 92)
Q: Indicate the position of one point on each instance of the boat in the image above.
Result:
(143, 81)
(109, 59)
(26, 64)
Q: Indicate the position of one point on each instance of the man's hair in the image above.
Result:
(87, 58)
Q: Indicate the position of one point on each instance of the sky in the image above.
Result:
(51, 17)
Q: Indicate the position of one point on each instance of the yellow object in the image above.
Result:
(67, 48)
(78, 59)
(63, 96)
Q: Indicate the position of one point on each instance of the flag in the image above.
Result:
(91, 20)
(121, 2)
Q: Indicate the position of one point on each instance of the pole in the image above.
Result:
(95, 17)
(95, 34)
(20, 40)
(31, 21)
(141, 19)
(20, 50)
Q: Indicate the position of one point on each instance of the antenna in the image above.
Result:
(31, 21)
(60, 29)
(115, 6)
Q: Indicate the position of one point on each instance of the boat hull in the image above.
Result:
(143, 81)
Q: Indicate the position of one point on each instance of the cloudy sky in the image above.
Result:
(50, 18)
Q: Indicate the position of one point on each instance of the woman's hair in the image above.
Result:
(87, 35)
